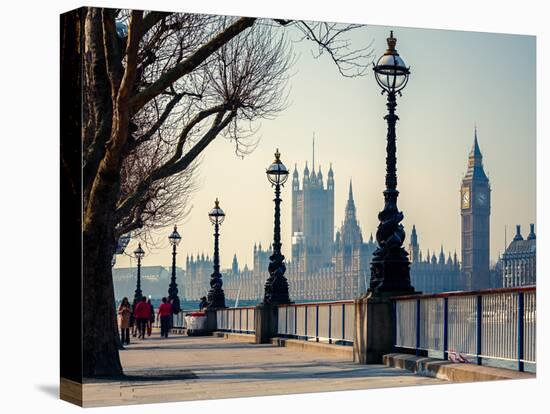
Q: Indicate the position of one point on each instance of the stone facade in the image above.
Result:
(431, 274)
(312, 218)
(519, 261)
(197, 277)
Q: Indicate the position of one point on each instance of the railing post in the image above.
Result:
(445, 328)
(393, 324)
(247, 330)
(317, 323)
(417, 327)
(286, 321)
(295, 321)
(521, 351)
(479, 313)
(305, 322)
(343, 322)
(329, 324)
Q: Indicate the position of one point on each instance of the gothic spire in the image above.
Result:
(414, 236)
(475, 152)
(531, 235)
(350, 205)
(518, 235)
(475, 162)
(306, 171)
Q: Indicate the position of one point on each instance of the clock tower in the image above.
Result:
(475, 208)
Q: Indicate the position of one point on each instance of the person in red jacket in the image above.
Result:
(141, 313)
(165, 315)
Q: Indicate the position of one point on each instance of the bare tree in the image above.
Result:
(157, 91)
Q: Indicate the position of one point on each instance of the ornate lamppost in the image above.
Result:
(390, 263)
(276, 286)
(216, 297)
(174, 239)
(138, 253)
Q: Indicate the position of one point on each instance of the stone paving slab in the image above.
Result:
(222, 368)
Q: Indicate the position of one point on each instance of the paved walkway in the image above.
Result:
(184, 368)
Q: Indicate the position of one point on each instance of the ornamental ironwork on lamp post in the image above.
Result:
(173, 297)
(138, 253)
(276, 286)
(216, 296)
(390, 271)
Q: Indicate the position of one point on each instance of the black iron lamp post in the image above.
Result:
(390, 263)
(216, 297)
(276, 286)
(174, 239)
(138, 253)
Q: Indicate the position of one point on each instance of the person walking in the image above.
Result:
(151, 319)
(124, 313)
(165, 315)
(142, 316)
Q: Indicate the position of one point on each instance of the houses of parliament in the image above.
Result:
(327, 264)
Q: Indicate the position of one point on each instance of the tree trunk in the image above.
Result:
(100, 331)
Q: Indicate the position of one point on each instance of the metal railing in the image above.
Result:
(236, 319)
(486, 327)
(178, 320)
(331, 322)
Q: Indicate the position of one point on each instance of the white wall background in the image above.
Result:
(29, 208)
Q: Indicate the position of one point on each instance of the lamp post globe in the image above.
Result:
(390, 70)
(138, 253)
(276, 286)
(173, 297)
(390, 266)
(216, 296)
(277, 173)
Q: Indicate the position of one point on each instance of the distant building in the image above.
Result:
(312, 217)
(344, 274)
(197, 277)
(475, 207)
(431, 274)
(519, 261)
(328, 266)
(154, 281)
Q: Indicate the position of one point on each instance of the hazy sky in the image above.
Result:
(458, 79)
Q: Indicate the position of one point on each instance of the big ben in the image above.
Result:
(475, 207)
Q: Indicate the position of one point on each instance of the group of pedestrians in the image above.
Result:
(140, 319)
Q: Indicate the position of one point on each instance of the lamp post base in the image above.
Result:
(390, 274)
(276, 292)
(266, 322)
(216, 299)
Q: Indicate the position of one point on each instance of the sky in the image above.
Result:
(458, 80)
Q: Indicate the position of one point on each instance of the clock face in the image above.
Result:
(481, 199)
(465, 197)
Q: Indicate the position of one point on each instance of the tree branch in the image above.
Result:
(151, 19)
(170, 168)
(189, 64)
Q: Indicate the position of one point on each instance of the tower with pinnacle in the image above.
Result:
(475, 208)
(312, 216)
